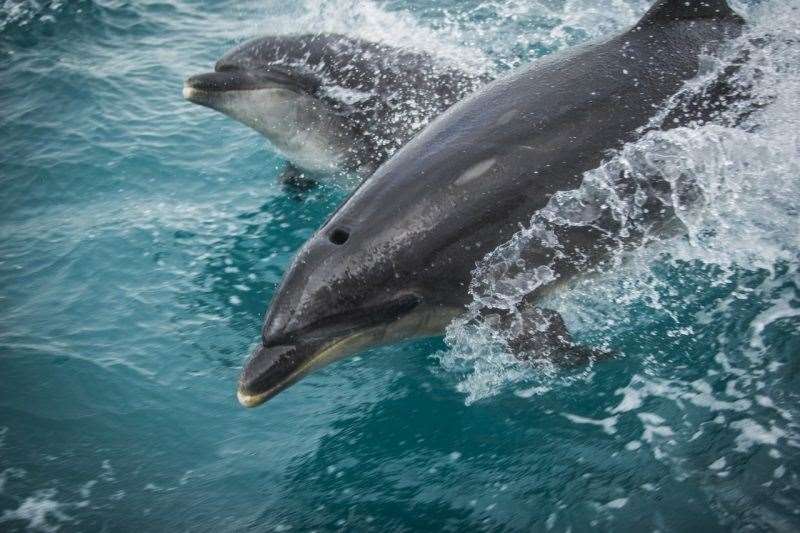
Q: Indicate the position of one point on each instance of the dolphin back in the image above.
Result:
(465, 184)
(665, 11)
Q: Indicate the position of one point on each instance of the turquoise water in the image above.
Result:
(141, 239)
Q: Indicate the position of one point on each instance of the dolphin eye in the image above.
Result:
(339, 236)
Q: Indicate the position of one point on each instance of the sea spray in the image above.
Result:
(729, 185)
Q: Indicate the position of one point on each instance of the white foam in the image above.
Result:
(619, 503)
(633, 445)
(24, 12)
(780, 310)
(10, 473)
(719, 464)
(609, 425)
(745, 219)
(41, 511)
(375, 22)
(753, 434)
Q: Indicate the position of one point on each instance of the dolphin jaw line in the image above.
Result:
(329, 353)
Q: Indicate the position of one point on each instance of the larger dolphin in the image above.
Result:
(394, 262)
(329, 102)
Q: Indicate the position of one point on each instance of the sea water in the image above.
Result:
(142, 237)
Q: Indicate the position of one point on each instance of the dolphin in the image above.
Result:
(395, 260)
(328, 102)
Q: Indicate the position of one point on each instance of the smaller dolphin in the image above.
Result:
(328, 102)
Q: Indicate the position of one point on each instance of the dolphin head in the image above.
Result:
(339, 296)
(281, 100)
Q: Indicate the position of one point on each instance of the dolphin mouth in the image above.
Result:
(271, 369)
(281, 360)
(201, 87)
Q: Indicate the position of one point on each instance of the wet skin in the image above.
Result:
(330, 102)
(395, 260)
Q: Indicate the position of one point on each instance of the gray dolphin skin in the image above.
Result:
(394, 262)
(329, 102)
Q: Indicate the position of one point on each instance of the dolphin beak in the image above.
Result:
(219, 81)
(203, 88)
(268, 371)
(249, 401)
(191, 94)
(253, 400)
(271, 369)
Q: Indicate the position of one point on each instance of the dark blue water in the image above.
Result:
(141, 239)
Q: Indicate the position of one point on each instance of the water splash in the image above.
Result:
(731, 191)
(704, 321)
(22, 13)
(704, 389)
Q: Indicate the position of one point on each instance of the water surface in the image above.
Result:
(141, 239)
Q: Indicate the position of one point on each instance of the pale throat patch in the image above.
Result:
(299, 127)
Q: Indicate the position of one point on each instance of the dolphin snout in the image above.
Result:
(219, 81)
(287, 353)
(200, 87)
(268, 371)
(204, 88)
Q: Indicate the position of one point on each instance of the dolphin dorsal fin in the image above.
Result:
(669, 10)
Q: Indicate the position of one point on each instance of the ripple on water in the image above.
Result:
(141, 239)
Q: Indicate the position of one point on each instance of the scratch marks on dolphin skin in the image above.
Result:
(506, 117)
(476, 171)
